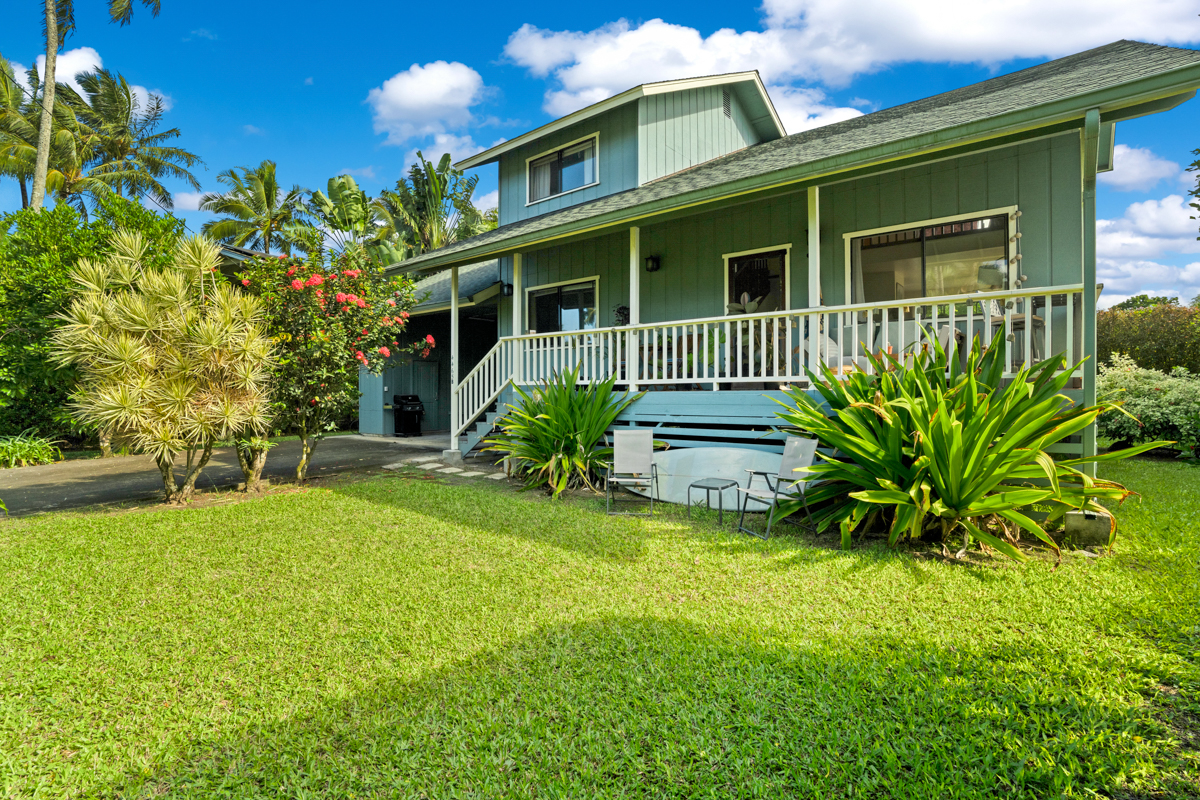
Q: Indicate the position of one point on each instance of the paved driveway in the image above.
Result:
(70, 484)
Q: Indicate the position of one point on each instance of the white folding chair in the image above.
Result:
(633, 465)
(798, 455)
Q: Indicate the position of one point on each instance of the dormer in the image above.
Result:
(628, 140)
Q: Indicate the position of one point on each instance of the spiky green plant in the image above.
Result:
(551, 437)
(926, 448)
(173, 359)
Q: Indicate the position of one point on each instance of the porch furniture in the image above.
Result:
(633, 466)
(709, 485)
(798, 455)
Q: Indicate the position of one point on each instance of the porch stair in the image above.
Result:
(471, 440)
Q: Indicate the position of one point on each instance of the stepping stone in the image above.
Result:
(397, 465)
(423, 459)
(450, 470)
(499, 476)
(434, 465)
(472, 474)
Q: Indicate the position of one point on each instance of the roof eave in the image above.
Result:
(1110, 101)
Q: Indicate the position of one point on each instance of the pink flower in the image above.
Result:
(364, 331)
(429, 338)
(281, 257)
(297, 285)
(391, 302)
(291, 271)
(345, 308)
(341, 297)
(383, 351)
(361, 303)
(314, 401)
(245, 281)
(315, 280)
(353, 273)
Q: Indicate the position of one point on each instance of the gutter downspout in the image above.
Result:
(1090, 141)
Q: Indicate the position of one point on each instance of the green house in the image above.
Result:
(676, 236)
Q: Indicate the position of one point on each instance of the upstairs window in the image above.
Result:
(563, 307)
(943, 258)
(573, 167)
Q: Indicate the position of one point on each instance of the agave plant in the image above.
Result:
(926, 448)
(550, 437)
(172, 359)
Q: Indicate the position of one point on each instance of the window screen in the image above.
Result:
(758, 277)
(571, 168)
(571, 307)
(948, 259)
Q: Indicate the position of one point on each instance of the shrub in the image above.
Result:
(932, 451)
(1157, 405)
(550, 436)
(27, 449)
(327, 323)
(1161, 337)
(38, 250)
(175, 358)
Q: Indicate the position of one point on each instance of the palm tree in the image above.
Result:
(257, 211)
(128, 143)
(430, 209)
(58, 25)
(18, 131)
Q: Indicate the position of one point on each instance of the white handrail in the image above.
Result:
(777, 347)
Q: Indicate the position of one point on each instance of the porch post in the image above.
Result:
(1091, 152)
(454, 404)
(518, 316)
(632, 351)
(814, 247)
(635, 275)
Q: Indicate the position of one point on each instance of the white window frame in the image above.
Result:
(787, 273)
(1008, 211)
(552, 150)
(529, 306)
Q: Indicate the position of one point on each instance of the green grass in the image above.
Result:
(399, 637)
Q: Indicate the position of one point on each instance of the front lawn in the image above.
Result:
(398, 637)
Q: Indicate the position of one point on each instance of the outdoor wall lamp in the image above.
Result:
(652, 264)
(506, 289)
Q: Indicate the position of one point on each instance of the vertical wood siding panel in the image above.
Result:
(1033, 198)
(944, 190)
(917, 202)
(972, 184)
(1066, 215)
(891, 202)
(1002, 178)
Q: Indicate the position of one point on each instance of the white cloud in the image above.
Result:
(425, 100)
(1130, 251)
(486, 202)
(187, 201)
(252, 130)
(367, 172)
(1148, 230)
(142, 95)
(204, 33)
(73, 63)
(459, 147)
(1137, 169)
(801, 109)
(831, 41)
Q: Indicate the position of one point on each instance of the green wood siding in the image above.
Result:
(682, 129)
(618, 167)
(1041, 178)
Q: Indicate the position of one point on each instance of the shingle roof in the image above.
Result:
(1099, 69)
(472, 279)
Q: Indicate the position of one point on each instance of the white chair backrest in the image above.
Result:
(798, 453)
(633, 451)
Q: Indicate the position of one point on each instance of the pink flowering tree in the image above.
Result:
(327, 322)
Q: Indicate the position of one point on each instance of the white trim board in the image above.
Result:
(787, 272)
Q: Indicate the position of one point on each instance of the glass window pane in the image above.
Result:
(966, 257)
(578, 166)
(578, 307)
(543, 311)
(889, 267)
(757, 278)
(540, 178)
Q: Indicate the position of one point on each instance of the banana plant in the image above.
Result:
(346, 213)
(926, 448)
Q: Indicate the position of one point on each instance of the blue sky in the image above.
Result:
(324, 90)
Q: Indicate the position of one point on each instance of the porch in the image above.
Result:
(721, 360)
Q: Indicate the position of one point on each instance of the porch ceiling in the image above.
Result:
(1121, 79)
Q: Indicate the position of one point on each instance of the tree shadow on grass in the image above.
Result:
(641, 707)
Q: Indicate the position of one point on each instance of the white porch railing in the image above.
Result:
(774, 348)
